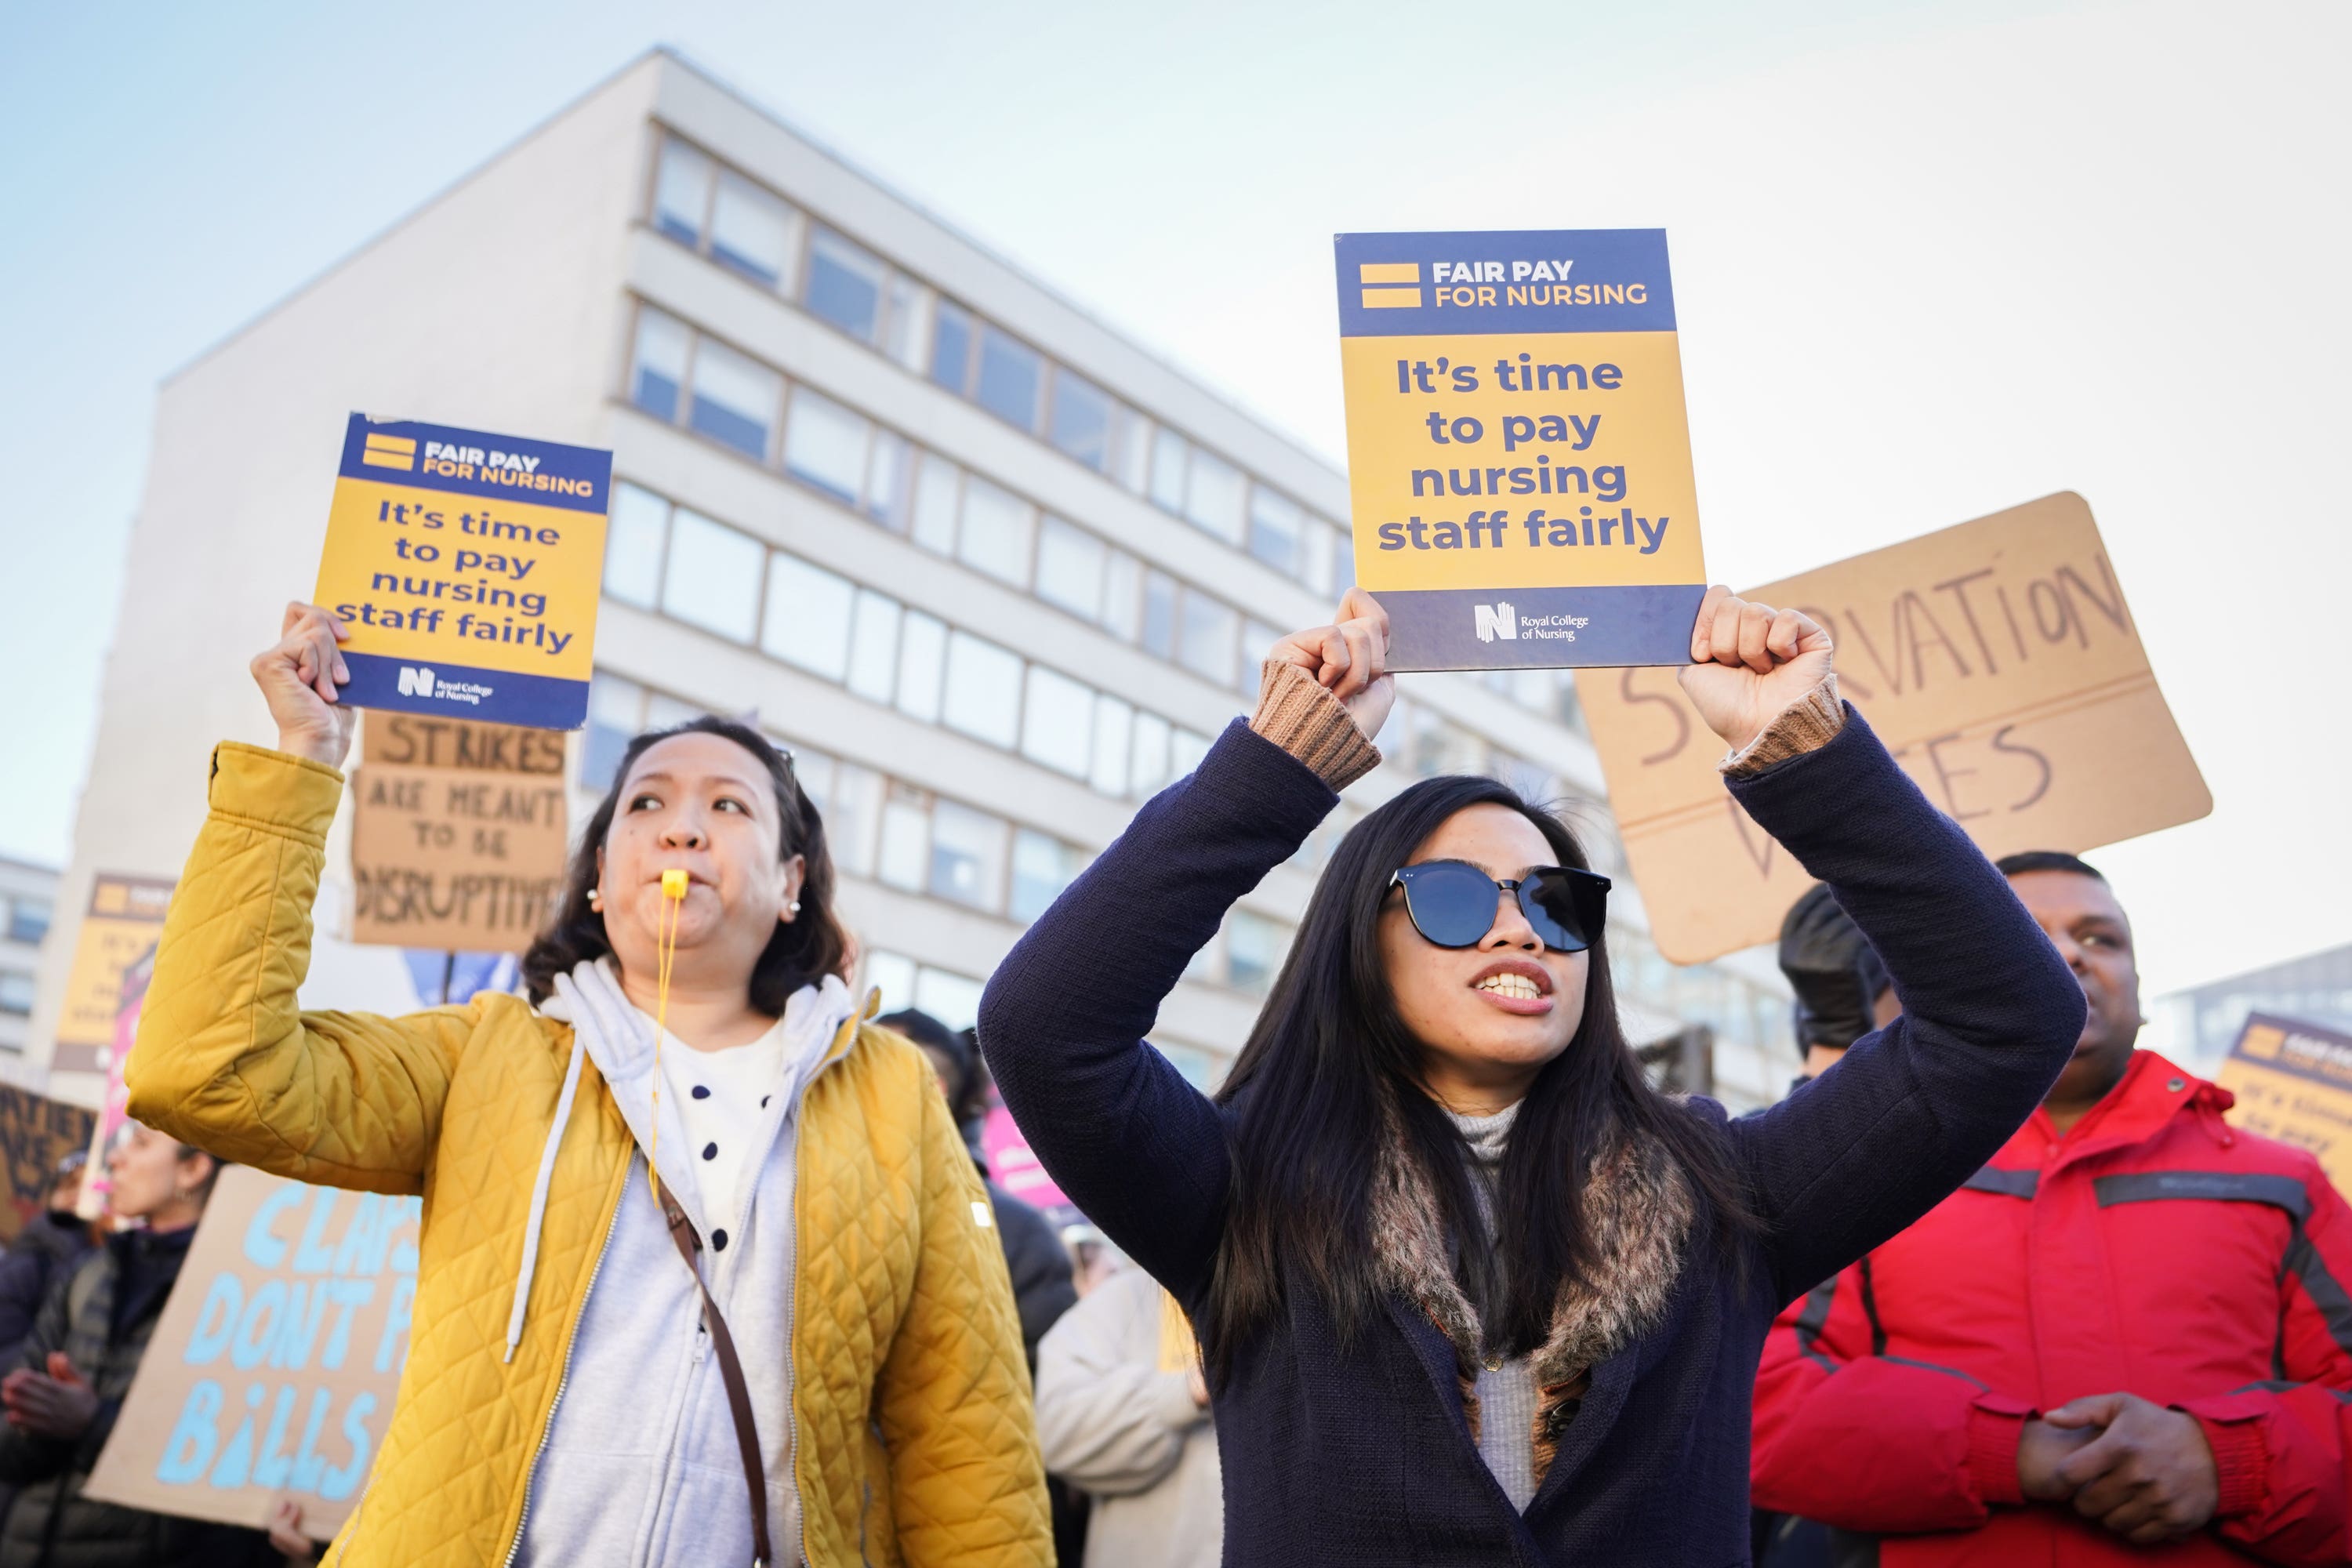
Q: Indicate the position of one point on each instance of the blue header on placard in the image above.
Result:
(1505, 280)
(476, 463)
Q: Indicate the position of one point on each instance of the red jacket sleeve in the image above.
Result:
(1862, 1440)
(2280, 1447)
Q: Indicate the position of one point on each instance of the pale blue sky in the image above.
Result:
(1932, 258)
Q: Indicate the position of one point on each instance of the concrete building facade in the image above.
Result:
(993, 573)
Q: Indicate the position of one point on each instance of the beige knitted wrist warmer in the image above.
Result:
(1810, 721)
(1296, 714)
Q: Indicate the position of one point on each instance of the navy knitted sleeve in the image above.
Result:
(1990, 1014)
(1141, 1151)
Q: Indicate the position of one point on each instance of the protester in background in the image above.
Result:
(1470, 1290)
(76, 1366)
(51, 1246)
(2127, 1332)
(1123, 1413)
(1841, 989)
(814, 1199)
(1043, 1283)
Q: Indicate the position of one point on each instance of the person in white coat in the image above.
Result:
(1123, 1414)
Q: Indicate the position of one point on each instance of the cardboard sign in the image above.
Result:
(1517, 455)
(1996, 660)
(467, 854)
(273, 1368)
(2294, 1083)
(126, 916)
(36, 1133)
(468, 565)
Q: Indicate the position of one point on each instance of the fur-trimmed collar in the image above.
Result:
(1638, 1209)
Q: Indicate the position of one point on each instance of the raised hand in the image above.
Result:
(299, 676)
(1749, 662)
(1350, 658)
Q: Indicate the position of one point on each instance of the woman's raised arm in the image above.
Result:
(1062, 1021)
(1990, 1012)
(224, 1060)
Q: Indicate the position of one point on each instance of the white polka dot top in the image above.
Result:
(722, 1097)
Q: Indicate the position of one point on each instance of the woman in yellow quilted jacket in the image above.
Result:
(603, 1364)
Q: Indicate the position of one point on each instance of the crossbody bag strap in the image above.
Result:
(730, 1374)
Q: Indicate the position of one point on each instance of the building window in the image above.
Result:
(661, 344)
(616, 708)
(853, 816)
(1042, 867)
(1205, 641)
(939, 489)
(682, 192)
(906, 333)
(1276, 525)
(1122, 614)
(952, 999)
(1315, 555)
(1070, 569)
(904, 860)
(923, 665)
(951, 341)
(1170, 456)
(968, 851)
(751, 231)
(633, 546)
(1253, 949)
(29, 918)
(15, 993)
(713, 579)
(844, 284)
(735, 399)
(807, 621)
(1159, 615)
(1148, 769)
(1081, 422)
(1011, 374)
(1214, 495)
(1114, 744)
(824, 445)
(1057, 722)
(874, 647)
(994, 536)
(982, 696)
(886, 480)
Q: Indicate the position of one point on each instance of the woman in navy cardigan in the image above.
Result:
(1469, 1291)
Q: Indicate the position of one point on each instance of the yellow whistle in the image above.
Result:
(673, 884)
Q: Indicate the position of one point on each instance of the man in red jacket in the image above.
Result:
(2127, 1339)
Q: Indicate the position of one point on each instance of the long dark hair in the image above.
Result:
(802, 952)
(1328, 1051)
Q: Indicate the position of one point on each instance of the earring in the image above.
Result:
(596, 898)
(793, 908)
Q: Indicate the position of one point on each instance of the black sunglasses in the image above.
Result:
(1451, 903)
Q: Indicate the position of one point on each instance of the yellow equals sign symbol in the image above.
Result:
(1373, 272)
(389, 452)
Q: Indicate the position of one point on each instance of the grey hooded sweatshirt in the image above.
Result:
(640, 1465)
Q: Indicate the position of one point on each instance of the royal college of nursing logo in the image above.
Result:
(418, 680)
(1496, 620)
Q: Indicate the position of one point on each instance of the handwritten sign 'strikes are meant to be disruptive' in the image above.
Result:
(1517, 455)
(468, 565)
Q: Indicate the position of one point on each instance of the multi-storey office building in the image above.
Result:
(992, 573)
